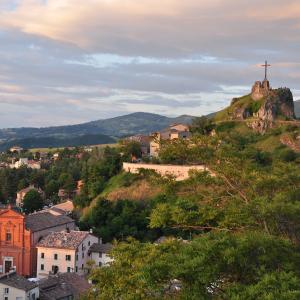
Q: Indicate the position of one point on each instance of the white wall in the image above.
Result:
(82, 252)
(48, 261)
(180, 172)
(14, 293)
(100, 260)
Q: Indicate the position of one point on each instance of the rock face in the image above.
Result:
(278, 104)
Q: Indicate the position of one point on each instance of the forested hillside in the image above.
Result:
(235, 235)
(91, 133)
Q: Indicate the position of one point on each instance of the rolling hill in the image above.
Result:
(95, 132)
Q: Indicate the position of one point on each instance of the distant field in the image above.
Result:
(55, 149)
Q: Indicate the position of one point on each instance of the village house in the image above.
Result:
(174, 131)
(25, 162)
(16, 149)
(55, 156)
(19, 235)
(22, 193)
(65, 286)
(64, 252)
(143, 140)
(16, 287)
(99, 254)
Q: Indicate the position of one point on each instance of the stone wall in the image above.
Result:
(178, 171)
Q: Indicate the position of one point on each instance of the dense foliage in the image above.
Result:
(235, 228)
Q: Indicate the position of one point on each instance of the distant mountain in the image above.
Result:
(297, 108)
(51, 141)
(101, 130)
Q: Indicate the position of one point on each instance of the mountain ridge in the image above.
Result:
(104, 129)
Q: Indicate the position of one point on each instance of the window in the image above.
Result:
(82, 246)
(68, 269)
(8, 236)
(76, 256)
(76, 269)
(42, 267)
(42, 255)
(54, 269)
(82, 254)
(82, 266)
(33, 296)
(100, 263)
(5, 298)
(100, 254)
(68, 257)
(6, 291)
(55, 256)
(89, 243)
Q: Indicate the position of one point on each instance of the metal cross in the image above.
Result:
(266, 68)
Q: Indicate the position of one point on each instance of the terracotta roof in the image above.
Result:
(101, 248)
(63, 239)
(44, 219)
(14, 280)
(63, 285)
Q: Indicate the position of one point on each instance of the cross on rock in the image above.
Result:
(266, 65)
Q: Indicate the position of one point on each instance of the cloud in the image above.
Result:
(66, 61)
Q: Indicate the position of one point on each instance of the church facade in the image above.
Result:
(15, 243)
(20, 234)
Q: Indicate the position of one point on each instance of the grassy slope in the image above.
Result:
(242, 102)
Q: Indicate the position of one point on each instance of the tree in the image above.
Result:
(202, 125)
(213, 266)
(32, 202)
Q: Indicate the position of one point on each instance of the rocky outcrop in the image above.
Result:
(278, 104)
(291, 142)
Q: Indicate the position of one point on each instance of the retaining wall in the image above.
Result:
(180, 172)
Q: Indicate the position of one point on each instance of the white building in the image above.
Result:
(99, 253)
(64, 252)
(16, 287)
(16, 149)
(24, 162)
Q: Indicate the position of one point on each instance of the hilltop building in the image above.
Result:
(143, 140)
(174, 131)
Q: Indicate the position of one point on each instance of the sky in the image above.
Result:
(72, 61)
